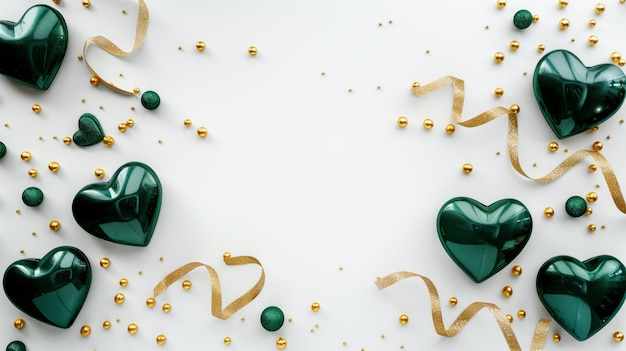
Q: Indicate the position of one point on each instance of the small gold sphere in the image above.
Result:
(597, 146)
(521, 314)
(56, 1)
(600, 8)
(202, 132)
(94, 81)
(105, 262)
(132, 328)
(592, 196)
(428, 123)
(186, 284)
(498, 92)
(122, 127)
(556, 337)
(119, 298)
(553, 146)
(54, 166)
(589, 211)
(563, 3)
(85, 330)
(130, 123)
(33, 173)
(166, 308)
(26, 156)
(150, 302)
(467, 168)
(123, 282)
(621, 62)
(618, 336)
(99, 173)
(564, 23)
(67, 140)
(498, 57)
(19, 323)
(200, 46)
(453, 301)
(404, 319)
(281, 343)
(161, 339)
(535, 18)
(516, 270)
(541, 48)
(509, 318)
(592, 228)
(514, 45)
(136, 90)
(86, 3)
(187, 123)
(616, 56)
(593, 167)
(226, 255)
(403, 122)
(416, 85)
(507, 291)
(106, 324)
(501, 4)
(592, 40)
(252, 51)
(36, 108)
(227, 340)
(108, 141)
(315, 306)
(450, 129)
(592, 23)
(515, 108)
(55, 225)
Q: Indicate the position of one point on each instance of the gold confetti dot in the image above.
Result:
(428, 123)
(521, 314)
(501, 4)
(535, 18)
(403, 122)
(564, 23)
(556, 337)
(592, 40)
(450, 129)
(132, 328)
(186, 284)
(150, 302)
(166, 308)
(36, 108)
(105, 262)
(514, 45)
(281, 343)
(86, 3)
(467, 168)
(589, 211)
(26, 156)
(55, 225)
(548, 212)
(515, 108)
(130, 123)
(119, 298)
(202, 132)
(187, 123)
(498, 92)
(592, 197)
(618, 336)
(553, 146)
(108, 141)
(616, 56)
(122, 127)
(541, 48)
(123, 282)
(253, 51)
(593, 167)
(592, 23)
(507, 291)
(18, 211)
(403, 319)
(99, 173)
(498, 57)
(600, 8)
(200, 46)
(85, 330)
(591, 228)
(597, 146)
(161, 339)
(54, 166)
(509, 318)
(563, 3)
(315, 306)
(19, 323)
(106, 324)
(516, 270)
(227, 340)
(453, 301)
(94, 81)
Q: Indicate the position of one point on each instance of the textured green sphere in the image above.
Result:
(575, 206)
(522, 19)
(150, 100)
(3, 149)
(272, 318)
(32, 196)
(16, 346)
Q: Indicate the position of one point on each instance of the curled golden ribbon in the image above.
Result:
(513, 138)
(216, 289)
(541, 331)
(108, 46)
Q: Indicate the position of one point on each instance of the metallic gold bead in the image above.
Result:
(200, 46)
(54, 166)
(516, 270)
(252, 51)
(563, 3)
(105, 262)
(498, 57)
(130, 123)
(67, 140)
(106, 324)
(548, 212)
(26, 156)
(592, 23)
(515, 108)
(428, 123)
(556, 337)
(507, 291)
(498, 92)
(593, 167)
(553, 146)
(132, 328)
(187, 122)
(589, 211)
(403, 121)
(281, 343)
(514, 45)
(621, 62)
(161, 339)
(19, 323)
(226, 256)
(541, 48)
(521, 314)
(119, 298)
(450, 129)
(453, 301)
(94, 81)
(150, 302)
(597, 146)
(36, 108)
(535, 18)
(227, 340)
(591, 227)
(202, 132)
(618, 336)
(315, 306)
(615, 56)
(186, 284)
(509, 318)
(166, 308)
(416, 85)
(99, 173)
(55, 225)
(501, 4)
(122, 127)
(600, 8)
(592, 196)
(56, 1)
(123, 282)
(86, 3)
(467, 168)
(85, 330)
(403, 319)
(136, 90)
(592, 40)
(564, 23)
(108, 141)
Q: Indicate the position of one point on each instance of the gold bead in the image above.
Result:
(467, 168)
(515, 108)
(597, 146)
(521, 314)
(615, 56)
(56, 1)
(94, 81)
(67, 140)
(403, 319)
(136, 90)
(516, 270)
(589, 211)
(150, 302)
(564, 23)
(119, 298)
(416, 85)
(99, 173)
(621, 62)
(453, 301)
(130, 123)
(591, 228)
(600, 8)
(541, 48)
(281, 343)
(501, 4)
(535, 18)
(187, 122)
(593, 167)
(226, 256)
(54, 166)
(122, 127)
(108, 141)
(514, 45)
(428, 123)
(55, 225)
(26, 156)
(19, 323)
(105, 262)
(202, 132)
(227, 340)
(200, 46)
(36, 108)
(33, 173)
(106, 324)
(132, 328)
(548, 212)
(166, 308)
(592, 23)
(450, 129)
(498, 92)
(592, 197)
(509, 318)
(592, 40)
(553, 146)
(315, 306)
(618, 336)
(252, 51)
(556, 337)
(507, 291)
(123, 282)
(186, 284)
(403, 122)
(161, 339)
(498, 57)
(85, 330)
(563, 3)
(86, 3)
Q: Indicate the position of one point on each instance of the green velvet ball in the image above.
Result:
(3, 149)
(522, 19)
(150, 100)
(272, 318)
(16, 346)
(32, 196)
(575, 206)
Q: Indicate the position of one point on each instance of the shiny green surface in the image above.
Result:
(481, 239)
(52, 289)
(89, 132)
(32, 196)
(522, 19)
(582, 297)
(124, 210)
(574, 98)
(34, 47)
(150, 100)
(272, 318)
(576, 206)
(16, 346)
(3, 150)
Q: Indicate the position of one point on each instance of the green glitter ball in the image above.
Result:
(272, 318)
(16, 346)
(575, 206)
(522, 19)
(3, 149)
(150, 100)
(32, 196)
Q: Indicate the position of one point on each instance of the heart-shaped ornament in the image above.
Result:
(574, 98)
(33, 48)
(52, 289)
(582, 297)
(124, 210)
(481, 239)
(89, 132)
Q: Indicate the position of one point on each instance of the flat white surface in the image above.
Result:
(302, 174)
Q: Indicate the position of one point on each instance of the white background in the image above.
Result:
(301, 173)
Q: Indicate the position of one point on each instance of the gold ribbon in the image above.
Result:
(216, 290)
(513, 138)
(541, 331)
(108, 46)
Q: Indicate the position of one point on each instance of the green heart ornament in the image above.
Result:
(89, 132)
(582, 297)
(574, 98)
(33, 48)
(124, 210)
(481, 239)
(52, 289)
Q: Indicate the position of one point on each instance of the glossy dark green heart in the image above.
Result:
(33, 48)
(574, 98)
(481, 239)
(53, 289)
(89, 132)
(582, 297)
(124, 210)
